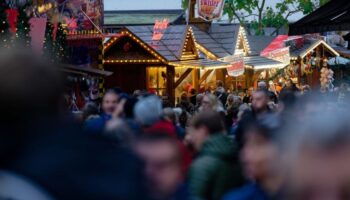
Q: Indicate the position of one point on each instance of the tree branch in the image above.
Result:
(286, 18)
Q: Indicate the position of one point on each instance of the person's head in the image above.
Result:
(260, 151)
(260, 100)
(230, 99)
(129, 107)
(262, 85)
(193, 91)
(318, 155)
(250, 91)
(163, 163)
(287, 101)
(30, 87)
(209, 102)
(109, 102)
(202, 126)
(184, 97)
(31, 92)
(169, 115)
(219, 83)
(89, 110)
(148, 110)
(199, 99)
(243, 109)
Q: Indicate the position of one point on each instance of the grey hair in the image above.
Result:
(322, 130)
(148, 110)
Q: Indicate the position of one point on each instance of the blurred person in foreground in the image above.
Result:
(260, 109)
(109, 103)
(211, 103)
(318, 156)
(216, 169)
(170, 116)
(43, 155)
(220, 92)
(259, 157)
(163, 160)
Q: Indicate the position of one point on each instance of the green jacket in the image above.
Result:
(216, 170)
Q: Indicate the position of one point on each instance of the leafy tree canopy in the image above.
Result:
(258, 15)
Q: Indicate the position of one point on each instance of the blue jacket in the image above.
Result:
(251, 191)
(97, 125)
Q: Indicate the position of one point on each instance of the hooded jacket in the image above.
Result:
(216, 170)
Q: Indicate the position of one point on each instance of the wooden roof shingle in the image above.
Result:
(219, 39)
(169, 46)
(258, 43)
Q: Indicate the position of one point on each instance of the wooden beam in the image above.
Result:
(195, 78)
(170, 84)
(204, 77)
(183, 76)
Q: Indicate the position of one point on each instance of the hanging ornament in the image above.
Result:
(326, 79)
(12, 15)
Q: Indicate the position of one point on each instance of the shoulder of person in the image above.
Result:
(14, 186)
(205, 164)
(244, 193)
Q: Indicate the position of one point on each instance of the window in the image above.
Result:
(157, 80)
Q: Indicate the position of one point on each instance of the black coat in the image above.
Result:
(70, 164)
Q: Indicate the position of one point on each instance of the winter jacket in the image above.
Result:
(254, 191)
(97, 125)
(250, 191)
(216, 170)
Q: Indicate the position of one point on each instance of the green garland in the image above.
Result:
(23, 28)
(4, 26)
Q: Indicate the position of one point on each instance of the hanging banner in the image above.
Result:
(281, 55)
(237, 65)
(37, 33)
(210, 10)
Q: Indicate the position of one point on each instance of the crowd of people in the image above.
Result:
(257, 145)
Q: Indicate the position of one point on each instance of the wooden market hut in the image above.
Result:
(309, 58)
(223, 41)
(140, 62)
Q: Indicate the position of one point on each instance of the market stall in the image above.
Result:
(159, 60)
(230, 43)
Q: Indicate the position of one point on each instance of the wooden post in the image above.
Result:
(195, 79)
(220, 75)
(170, 84)
(299, 63)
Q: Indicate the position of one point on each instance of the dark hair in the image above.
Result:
(211, 120)
(264, 91)
(288, 98)
(268, 126)
(111, 91)
(193, 91)
(117, 90)
(29, 87)
(89, 109)
(129, 107)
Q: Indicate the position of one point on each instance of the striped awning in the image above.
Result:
(259, 62)
(200, 64)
